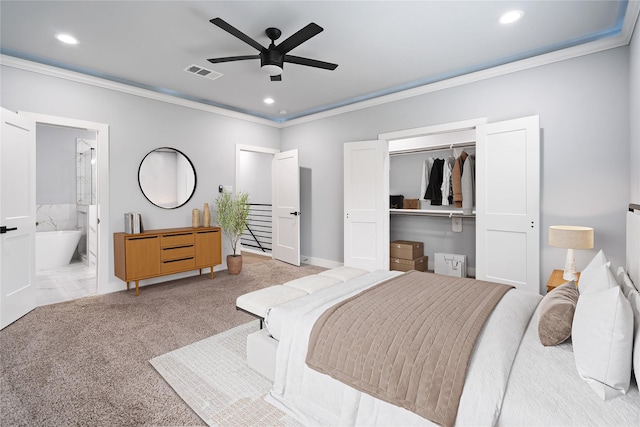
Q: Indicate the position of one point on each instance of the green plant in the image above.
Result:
(231, 215)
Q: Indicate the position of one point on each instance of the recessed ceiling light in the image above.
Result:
(283, 112)
(66, 38)
(511, 16)
(269, 101)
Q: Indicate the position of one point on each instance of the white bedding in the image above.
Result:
(545, 389)
(316, 399)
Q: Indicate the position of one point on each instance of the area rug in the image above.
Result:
(213, 378)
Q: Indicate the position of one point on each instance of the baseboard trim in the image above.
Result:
(319, 262)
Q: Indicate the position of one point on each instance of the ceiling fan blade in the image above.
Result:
(233, 58)
(300, 37)
(309, 62)
(237, 33)
(277, 78)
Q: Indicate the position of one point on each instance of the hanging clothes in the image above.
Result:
(434, 190)
(426, 171)
(468, 184)
(456, 176)
(447, 191)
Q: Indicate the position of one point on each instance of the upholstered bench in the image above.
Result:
(258, 302)
(261, 346)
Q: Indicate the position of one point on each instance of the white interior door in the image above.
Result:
(17, 217)
(366, 205)
(286, 207)
(508, 203)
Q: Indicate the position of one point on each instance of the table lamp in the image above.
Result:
(570, 237)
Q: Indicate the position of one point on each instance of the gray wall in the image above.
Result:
(56, 164)
(583, 104)
(137, 125)
(634, 114)
(583, 108)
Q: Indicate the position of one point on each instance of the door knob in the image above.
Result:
(295, 213)
(4, 229)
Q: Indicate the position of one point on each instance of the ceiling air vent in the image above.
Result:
(203, 72)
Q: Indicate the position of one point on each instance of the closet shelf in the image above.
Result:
(425, 149)
(448, 213)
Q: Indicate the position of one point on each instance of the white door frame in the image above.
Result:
(251, 149)
(102, 137)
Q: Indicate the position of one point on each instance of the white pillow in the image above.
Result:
(598, 279)
(598, 260)
(602, 334)
(634, 300)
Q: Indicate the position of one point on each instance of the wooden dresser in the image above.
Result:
(156, 253)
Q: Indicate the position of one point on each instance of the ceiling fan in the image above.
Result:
(272, 59)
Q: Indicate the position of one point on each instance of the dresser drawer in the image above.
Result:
(178, 239)
(177, 265)
(178, 252)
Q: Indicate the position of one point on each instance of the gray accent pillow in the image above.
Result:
(555, 314)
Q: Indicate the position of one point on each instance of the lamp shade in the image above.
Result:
(571, 237)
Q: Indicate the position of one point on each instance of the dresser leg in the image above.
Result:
(137, 289)
(127, 285)
(212, 274)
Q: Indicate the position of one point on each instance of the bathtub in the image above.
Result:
(55, 248)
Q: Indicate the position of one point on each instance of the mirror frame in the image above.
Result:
(195, 178)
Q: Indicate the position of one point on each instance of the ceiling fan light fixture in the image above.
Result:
(272, 69)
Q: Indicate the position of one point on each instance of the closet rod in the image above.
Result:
(418, 212)
(434, 148)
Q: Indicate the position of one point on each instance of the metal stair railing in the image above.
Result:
(258, 231)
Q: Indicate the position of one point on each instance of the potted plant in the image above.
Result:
(231, 215)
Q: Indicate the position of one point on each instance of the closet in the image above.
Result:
(425, 165)
(507, 178)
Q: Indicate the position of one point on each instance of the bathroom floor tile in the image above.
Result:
(73, 281)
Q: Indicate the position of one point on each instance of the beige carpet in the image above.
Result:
(86, 362)
(213, 378)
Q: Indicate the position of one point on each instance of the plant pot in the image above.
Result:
(234, 264)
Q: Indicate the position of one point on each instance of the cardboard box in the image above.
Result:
(410, 204)
(406, 249)
(400, 264)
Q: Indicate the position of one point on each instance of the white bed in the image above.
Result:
(512, 378)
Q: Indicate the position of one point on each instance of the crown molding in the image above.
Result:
(623, 39)
(51, 71)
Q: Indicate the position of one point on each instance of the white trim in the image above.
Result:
(631, 16)
(429, 130)
(320, 262)
(256, 252)
(48, 70)
(102, 137)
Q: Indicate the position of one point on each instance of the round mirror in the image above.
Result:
(167, 178)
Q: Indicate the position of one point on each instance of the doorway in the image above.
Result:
(253, 176)
(78, 150)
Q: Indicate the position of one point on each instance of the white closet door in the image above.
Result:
(366, 205)
(508, 203)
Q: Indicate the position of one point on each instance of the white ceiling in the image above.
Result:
(382, 47)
